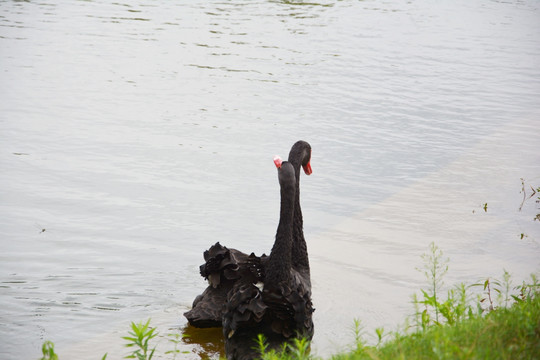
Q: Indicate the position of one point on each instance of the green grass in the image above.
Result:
(506, 333)
(502, 322)
(48, 351)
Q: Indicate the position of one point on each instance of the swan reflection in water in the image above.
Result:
(207, 343)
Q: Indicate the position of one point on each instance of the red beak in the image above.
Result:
(307, 168)
(277, 161)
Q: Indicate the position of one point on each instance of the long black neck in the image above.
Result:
(299, 248)
(279, 264)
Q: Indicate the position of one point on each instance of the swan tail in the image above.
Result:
(223, 268)
(228, 265)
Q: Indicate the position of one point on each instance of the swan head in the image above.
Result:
(286, 174)
(277, 161)
(301, 152)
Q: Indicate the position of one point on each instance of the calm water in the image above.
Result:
(135, 135)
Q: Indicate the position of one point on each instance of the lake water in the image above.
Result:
(136, 134)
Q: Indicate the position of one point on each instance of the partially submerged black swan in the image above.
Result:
(280, 308)
(223, 267)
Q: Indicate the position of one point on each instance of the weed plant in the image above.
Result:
(48, 351)
(139, 337)
(435, 267)
(297, 350)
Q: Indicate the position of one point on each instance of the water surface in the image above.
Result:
(135, 135)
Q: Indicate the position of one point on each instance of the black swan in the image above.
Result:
(280, 308)
(224, 266)
(300, 155)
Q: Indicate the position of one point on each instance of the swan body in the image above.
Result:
(234, 276)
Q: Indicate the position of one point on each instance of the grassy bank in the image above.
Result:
(506, 333)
